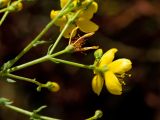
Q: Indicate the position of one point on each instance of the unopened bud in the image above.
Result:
(15, 6)
(98, 54)
(98, 114)
(52, 86)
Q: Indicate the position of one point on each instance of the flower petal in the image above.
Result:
(86, 25)
(112, 83)
(93, 7)
(54, 13)
(68, 31)
(97, 84)
(120, 66)
(89, 11)
(59, 22)
(63, 3)
(86, 14)
(107, 57)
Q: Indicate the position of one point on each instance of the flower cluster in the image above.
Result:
(87, 8)
(113, 74)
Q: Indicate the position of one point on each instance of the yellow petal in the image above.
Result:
(63, 3)
(97, 84)
(59, 22)
(120, 66)
(89, 11)
(107, 57)
(54, 13)
(86, 25)
(86, 14)
(68, 31)
(93, 7)
(112, 83)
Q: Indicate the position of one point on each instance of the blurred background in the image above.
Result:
(132, 26)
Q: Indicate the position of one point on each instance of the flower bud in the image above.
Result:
(98, 54)
(52, 86)
(15, 6)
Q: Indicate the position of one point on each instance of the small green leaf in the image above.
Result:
(98, 114)
(7, 65)
(39, 88)
(35, 116)
(39, 43)
(10, 80)
(39, 109)
(5, 101)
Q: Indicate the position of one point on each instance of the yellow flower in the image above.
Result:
(82, 21)
(114, 74)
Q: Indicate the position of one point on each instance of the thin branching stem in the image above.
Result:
(28, 113)
(23, 78)
(39, 60)
(39, 36)
(72, 63)
(3, 10)
(62, 32)
(4, 17)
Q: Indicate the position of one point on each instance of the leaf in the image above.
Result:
(39, 43)
(5, 101)
(10, 80)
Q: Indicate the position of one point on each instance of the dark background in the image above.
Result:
(132, 26)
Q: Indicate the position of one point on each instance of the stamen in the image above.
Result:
(122, 81)
(122, 76)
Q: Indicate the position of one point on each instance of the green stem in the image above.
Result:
(3, 10)
(59, 38)
(39, 36)
(28, 113)
(4, 17)
(72, 63)
(5, 14)
(28, 47)
(98, 114)
(62, 32)
(23, 78)
(39, 60)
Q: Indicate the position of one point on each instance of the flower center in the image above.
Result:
(122, 76)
